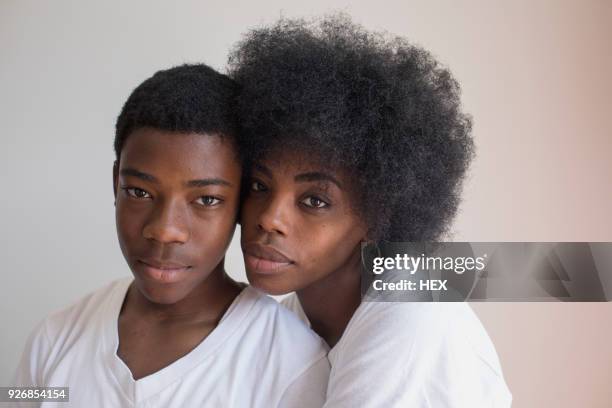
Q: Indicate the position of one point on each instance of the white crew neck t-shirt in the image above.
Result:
(417, 355)
(259, 355)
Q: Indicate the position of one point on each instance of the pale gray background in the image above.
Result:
(536, 77)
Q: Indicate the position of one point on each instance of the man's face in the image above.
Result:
(177, 196)
(298, 226)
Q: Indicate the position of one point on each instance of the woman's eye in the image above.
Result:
(137, 193)
(314, 202)
(257, 186)
(208, 201)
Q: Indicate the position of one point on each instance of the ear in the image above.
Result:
(115, 178)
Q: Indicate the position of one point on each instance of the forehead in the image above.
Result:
(299, 169)
(290, 162)
(167, 152)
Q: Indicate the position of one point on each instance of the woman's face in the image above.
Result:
(298, 226)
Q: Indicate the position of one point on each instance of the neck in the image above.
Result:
(206, 302)
(330, 303)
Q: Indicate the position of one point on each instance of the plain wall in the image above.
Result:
(535, 76)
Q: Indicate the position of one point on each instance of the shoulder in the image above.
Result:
(438, 350)
(57, 332)
(283, 348)
(286, 336)
(428, 328)
(88, 308)
(289, 329)
(292, 303)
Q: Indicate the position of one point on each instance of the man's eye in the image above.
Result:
(137, 193)
(208, 201)
(257, 186)
(314, 202)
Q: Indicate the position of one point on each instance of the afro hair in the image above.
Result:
(188, 98)
(383, 110)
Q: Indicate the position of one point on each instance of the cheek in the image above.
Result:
(129, 223)
(330, 247)
(213, 233)
(325, 249)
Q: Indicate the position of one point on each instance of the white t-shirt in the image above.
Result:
(259, 355)
(417, 355)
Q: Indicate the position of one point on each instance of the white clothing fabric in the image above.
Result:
(417, 355)
(259, 355)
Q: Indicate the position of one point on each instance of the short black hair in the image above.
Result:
(378, 107)
(187, 98)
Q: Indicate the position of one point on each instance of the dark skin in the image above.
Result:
(177, 196)
(300, 233)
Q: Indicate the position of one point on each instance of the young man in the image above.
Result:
(350, 136)
(181, 333)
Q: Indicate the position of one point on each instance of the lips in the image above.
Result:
(163, 271)
(163, 265)
(265, 259)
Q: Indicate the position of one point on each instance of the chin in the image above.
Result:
(271, 285)
(161, 294)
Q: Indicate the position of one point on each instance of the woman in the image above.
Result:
(350, 136)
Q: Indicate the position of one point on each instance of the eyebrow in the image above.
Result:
(317, 176)
(208, 182)
(263, 169)
(128, 171)
(191, 183)
(303, 177)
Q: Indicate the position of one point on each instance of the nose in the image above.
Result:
(168, 224)
(274, 217)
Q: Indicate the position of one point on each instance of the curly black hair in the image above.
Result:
(378, 107)
(187, 98)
